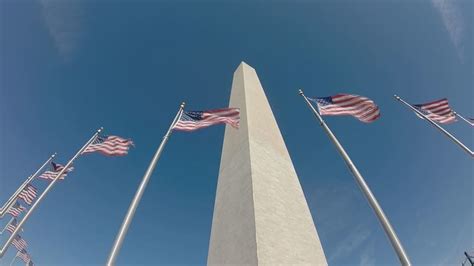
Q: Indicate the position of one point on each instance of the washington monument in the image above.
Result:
(260, 215)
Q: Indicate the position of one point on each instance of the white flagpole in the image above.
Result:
(9, 222)
(455, 140)
(14, 258)
(467, 121)
(48, 188)
(11, 200)
(389, 231)
(138, 195)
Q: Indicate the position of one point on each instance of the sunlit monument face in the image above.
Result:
(260, 214)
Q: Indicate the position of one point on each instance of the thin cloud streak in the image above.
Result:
(351, 243)
(340, 220)
(64, 20)
(367, 256)
(453, 21)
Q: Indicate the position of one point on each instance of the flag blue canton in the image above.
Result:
(324, 100)
(423, 111)
(99, 139)
(191, 116)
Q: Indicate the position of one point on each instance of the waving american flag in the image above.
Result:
(28, 194)
(24, 256)
(357, 106)
(12, 225)
(55, 169)
(438, 111)
(110, 146)
(19, 243)
(193, 120)
(16, 209)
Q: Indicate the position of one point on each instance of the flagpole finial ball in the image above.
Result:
(396, 97)
(100, 129)
(300, 92)
(183, 104)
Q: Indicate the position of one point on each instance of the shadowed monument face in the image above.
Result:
(260, 213)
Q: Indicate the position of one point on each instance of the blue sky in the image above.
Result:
(69, 67)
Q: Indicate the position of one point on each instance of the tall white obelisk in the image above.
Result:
(260, 215)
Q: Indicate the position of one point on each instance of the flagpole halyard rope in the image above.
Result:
(389, 231)
(444, 131)
(468, 258)
(14, 258)
(139, 193)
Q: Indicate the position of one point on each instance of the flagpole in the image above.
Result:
(14, 258)
(454, 139)
(138, 195)
(389, 231)
(467, 121)
(11, 200)
(48, 188)
(9, 222)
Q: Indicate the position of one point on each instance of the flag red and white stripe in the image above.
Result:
(55, 169)
(110, 146)
(16, 210)
(24, 256)
(360, 107)
(193, 120)
(28, 194)
(438, 111)
(19, 243)
(12, 226)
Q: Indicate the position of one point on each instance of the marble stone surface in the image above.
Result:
(260, 214)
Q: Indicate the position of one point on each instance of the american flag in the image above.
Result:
(28, 194)
(16, 209)
(12, 226)
(357, 106)
(438, 111)
(193, 120)
(24, 256)
(110, 146)
(19, 242)
(55, 169)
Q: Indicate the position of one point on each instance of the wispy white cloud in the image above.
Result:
(453, 20)
(367, 256)
(351, 243)
(452, 255)
(342, 221)
(64, 20)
